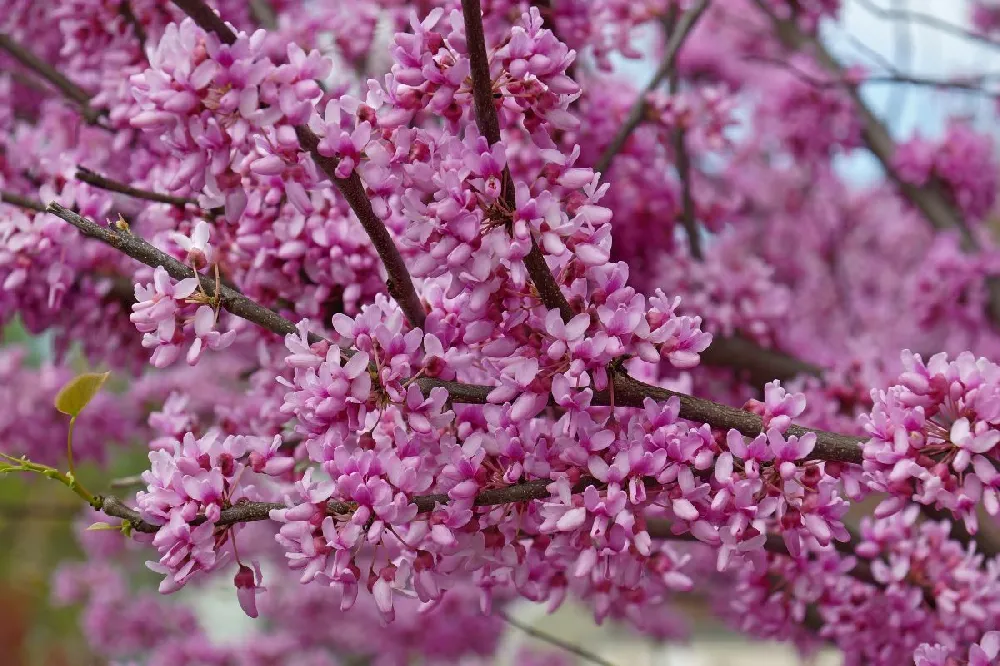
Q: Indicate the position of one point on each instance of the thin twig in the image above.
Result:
(684, 26)
(761, 364)
(207, 19)
(69, 89)
(125, 9)
(29, 81)
(23, 202)
(400, 283)
(689, 216)
(103, 182)
(137, 248)
(682, 158)
(572, 648)
(263, 13)
(972, 83)
(527, 491)
(928, 20)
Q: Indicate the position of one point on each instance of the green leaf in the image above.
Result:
(73, 397)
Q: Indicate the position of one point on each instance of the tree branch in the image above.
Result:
(353, 190)
(489, 126)
(247, 512)
(761, 363)
(103, 182)
(684, 26)
(23, 202)
(207, 19)
(727, 350)
(69, 89)
(125, 9)
(137, 248)
(972, 84)
(628, 392)
(688, 212)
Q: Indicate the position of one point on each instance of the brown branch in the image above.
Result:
(400, 283)
(263, 13)
(682, 159)
(207, 19)
(971, 83)
(628, 392)
(353, 190)
(29, 81)
(69, 89)
(759, 364)
(684, 26)
(736, 352)
(489, 126)
(762, 364)
(137, 248)
(246, 512)
(482, 84)
(688, 213)
(103, 182)
(23, 202)
(125, 9)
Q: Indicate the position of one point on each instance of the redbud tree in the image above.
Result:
(420, 309)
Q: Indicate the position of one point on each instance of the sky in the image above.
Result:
(863, 37)
(916, 49)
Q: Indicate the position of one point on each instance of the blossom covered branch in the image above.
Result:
(387, 331)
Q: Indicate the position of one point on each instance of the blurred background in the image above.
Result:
(37, 519)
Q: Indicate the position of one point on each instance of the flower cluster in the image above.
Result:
(163, 314)
(522, 428)
(188, 486)
(961, 162)
(983, 653)
(226, 112)
(817, 114)
(934, 436)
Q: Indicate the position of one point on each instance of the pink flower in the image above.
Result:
(198, 250)
(206, 337)
(248, 586)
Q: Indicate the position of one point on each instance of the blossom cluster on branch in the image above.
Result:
(413, 301)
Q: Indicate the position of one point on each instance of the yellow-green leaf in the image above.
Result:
(100, 527)
(73, 397)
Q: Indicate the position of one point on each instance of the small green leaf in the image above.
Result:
(104, 527)
(73, 397)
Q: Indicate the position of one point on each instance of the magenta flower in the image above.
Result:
(248, 586)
